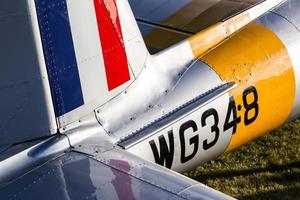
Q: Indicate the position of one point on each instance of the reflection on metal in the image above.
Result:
(26, 109)
(172, 18)
(88, 130)
(147, 172)
(75, 175)
(214, 35)
(175, 115)
(284, 21)
(233, 70)
(32, 157)
(166, 69)
(35, 153)
(266, 67)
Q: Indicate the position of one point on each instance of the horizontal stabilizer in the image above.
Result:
(103, 172)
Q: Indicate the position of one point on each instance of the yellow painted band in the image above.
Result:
(207, 39)
(211, 37)
(256, 57)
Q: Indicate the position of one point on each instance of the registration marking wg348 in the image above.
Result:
(164, 153)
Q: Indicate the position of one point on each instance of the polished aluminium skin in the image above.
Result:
(248, 59)
(181, 107)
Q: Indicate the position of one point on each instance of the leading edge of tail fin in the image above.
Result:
(93, 51)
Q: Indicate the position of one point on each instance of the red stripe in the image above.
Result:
(110, 33)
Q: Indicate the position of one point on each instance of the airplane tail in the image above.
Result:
(93, 51)
(75, 58)
(61, 60)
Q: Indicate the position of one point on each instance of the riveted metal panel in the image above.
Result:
(26, 109)
(115, 176)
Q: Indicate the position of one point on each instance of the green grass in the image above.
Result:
(267, 168)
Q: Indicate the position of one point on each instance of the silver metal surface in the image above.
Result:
(198, 79)
(26, 110)
(145, 93)
(35, 153)
(165, 91)
(102, 172)
(174, 115)
(284, 21)
(34, 156)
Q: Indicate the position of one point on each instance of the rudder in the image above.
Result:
(93, 51)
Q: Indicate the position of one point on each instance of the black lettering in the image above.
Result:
(193, 141)
(235, 121)
(250, 106)
(165, 158)
(214, 128)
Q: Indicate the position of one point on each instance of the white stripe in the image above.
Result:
(90, 61)
(87, 48)
(262, 8)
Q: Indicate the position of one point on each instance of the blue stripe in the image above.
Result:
(59, 55)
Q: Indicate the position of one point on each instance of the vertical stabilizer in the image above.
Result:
(62, 59)
(93, 51)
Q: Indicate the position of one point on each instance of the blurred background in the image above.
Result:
(267, 168)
